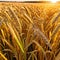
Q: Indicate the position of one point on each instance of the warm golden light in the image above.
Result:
(53, 1)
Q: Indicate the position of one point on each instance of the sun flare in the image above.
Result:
(53, 1)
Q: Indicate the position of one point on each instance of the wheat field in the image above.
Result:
(29, 31)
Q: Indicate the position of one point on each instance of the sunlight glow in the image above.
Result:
(53, 1)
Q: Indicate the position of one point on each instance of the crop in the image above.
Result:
(29, 32)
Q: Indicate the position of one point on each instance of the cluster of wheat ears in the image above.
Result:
(29, 32)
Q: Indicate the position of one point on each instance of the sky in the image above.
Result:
(19, 0)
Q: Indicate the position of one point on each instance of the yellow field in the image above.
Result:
(29, 31)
